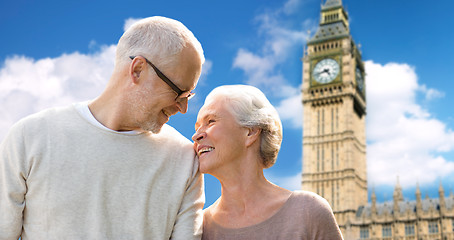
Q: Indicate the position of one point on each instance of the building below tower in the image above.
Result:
(420, 219)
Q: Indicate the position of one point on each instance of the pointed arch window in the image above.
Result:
(433, 227)
(409, 229)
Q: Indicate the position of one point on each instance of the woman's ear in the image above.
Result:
(253, 135)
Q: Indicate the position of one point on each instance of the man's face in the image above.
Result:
(155, 101)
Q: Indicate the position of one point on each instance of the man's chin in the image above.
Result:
(156, 129)
(153, 127)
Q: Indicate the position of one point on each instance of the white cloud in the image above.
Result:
(260, 67)
(279, 41)
(291, 6)
(291, 183)
(403, 138)
(206, 69)
(291, 109)
(431, 93)
(129, 22)
(28, 85)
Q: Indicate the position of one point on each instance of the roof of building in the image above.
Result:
(334, 28)
(330, 31)
(387, 208)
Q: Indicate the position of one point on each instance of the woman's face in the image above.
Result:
(219, 140)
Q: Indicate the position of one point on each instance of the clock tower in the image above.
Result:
(334, 128)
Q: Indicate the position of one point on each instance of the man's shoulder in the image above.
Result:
(36, 123)
(44, 116)
(169, 133)
(47, 114)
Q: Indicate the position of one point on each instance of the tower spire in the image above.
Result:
(441, 193)
(398, 196)
(335, 106)
(333, 22)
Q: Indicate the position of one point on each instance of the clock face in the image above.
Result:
(326, 70)
(359, 79)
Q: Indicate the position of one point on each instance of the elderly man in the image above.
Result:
(111, 168)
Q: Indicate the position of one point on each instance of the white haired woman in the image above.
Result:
(238, 134)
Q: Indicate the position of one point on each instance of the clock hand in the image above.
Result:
(327, 71)
(318, 73)
(324, 71)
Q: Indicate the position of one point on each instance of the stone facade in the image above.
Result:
(334, 139)
(334, 143)
(400, 219)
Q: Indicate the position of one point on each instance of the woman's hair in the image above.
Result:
(159, 39)
(251, 108)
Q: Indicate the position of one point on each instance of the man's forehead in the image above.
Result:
(189, 66)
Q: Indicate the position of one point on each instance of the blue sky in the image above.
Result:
(53, 53)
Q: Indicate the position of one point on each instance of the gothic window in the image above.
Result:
(409, 229)
(332, 158)
(332, 196)
(323, 158)
(364, 232)
(323, 121)
(433, 227)
(386, 231)
(332, 120)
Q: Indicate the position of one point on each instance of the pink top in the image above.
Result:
(305, 215)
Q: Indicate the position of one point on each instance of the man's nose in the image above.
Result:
(183, 106)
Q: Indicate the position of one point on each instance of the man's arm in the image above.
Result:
(189, 222)
(12, 183)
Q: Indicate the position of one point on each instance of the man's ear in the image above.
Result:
(136, 68)
(253, 135)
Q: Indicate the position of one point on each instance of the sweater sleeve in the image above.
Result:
(188, 224)
(326, 226)
(13, 174)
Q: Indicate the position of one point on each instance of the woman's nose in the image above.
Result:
(198, 136)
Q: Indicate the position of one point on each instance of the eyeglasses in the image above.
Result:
(181, 95)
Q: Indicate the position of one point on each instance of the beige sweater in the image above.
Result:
(63, 178)
(305, 215)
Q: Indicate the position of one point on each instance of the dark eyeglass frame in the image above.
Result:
(169, 82)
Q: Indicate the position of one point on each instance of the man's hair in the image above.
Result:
(159, 39)
(251, 108)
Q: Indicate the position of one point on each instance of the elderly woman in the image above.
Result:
(238, 134)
